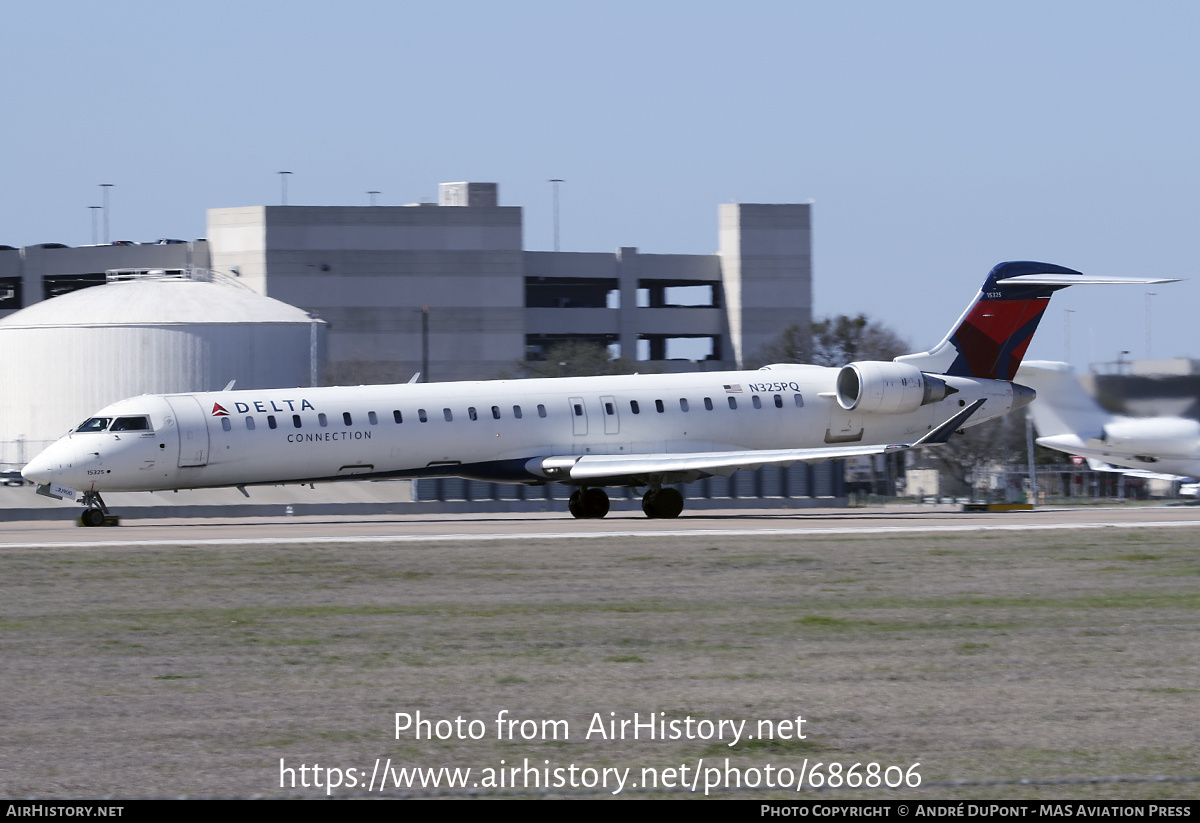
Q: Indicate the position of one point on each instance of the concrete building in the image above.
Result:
(451, 286)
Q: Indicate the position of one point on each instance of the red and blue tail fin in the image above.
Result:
(991, 337)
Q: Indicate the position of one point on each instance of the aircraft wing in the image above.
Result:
(675, 468)
(1101, 466)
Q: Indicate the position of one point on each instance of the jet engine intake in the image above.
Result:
(888, 388)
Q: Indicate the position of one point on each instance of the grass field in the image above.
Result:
(998, 657)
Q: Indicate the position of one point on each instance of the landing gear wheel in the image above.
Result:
(664, 503)
(595, 503)
(588, 503)
(92, 517)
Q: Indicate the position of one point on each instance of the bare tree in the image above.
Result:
(576, 358)
(832, 341)
(842, 339)
(997, 442)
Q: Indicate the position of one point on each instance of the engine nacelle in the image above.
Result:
(1169, 436)
(887, 387)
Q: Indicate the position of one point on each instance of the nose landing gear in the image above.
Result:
(96, 513)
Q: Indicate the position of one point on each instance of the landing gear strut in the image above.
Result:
(587, 503)
(96, 513)
(665, 503)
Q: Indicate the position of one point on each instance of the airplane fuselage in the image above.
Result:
(493, 430)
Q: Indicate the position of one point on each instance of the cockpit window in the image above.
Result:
(94, 424)
(131, 424)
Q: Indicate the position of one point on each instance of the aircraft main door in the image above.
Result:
(192, 425)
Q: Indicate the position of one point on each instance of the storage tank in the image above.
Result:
(143, 333)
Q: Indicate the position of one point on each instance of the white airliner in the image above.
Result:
(646, 431)
(1070, 420)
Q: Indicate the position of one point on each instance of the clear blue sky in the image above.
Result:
(936, 138)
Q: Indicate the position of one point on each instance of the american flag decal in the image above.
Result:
(735, 388)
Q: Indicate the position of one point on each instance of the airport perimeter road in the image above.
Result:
(402, 528)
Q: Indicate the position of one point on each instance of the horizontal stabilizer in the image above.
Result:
(1081, 280)
(942, 433)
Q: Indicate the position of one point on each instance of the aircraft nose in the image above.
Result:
(47, 467)
(1022, 396)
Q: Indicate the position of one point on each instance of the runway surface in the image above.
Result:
(406, 528)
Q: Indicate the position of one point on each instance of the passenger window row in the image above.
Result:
(660, 407)
(373, 418)
(473, 413)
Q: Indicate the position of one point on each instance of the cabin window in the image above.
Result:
(708, 403)
(517, 412)
(496, 412)
(322, 420)
(131, 424)
(471, 413)
(271, 421)
(733, 402)
(609, 409)
(541, 410)
(346, 419)
(579, 410)
(799, 401)
(250, 424)
(226, 425)
(396, 415)
(658, 405)
(296, 420)
(778, 401)
(449, 415)
(372, 418)
(422, 416)
(683, 404)
(757, 401)
(633, 407)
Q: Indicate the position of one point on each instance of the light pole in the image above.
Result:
(1067, 334)
(283, 176)
(105, 187)
(424, 344)
(95, 224)
(371, 194)
(1149, 294)
(556, 181)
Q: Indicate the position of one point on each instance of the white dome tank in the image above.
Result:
(63, 358)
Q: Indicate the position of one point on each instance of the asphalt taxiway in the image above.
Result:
(538, 526)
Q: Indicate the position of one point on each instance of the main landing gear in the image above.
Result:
(593, 503)
(664, 503)
(588, 503)
(96, 513)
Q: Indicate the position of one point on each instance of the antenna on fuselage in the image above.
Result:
(415, 378)
(230, 386)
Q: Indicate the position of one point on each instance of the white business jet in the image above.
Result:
(1070, 420)
(648, 431)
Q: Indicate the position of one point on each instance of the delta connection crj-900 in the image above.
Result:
(641, 430)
